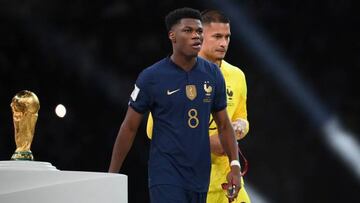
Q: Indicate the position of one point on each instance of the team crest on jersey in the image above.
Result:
(230, 95)
(207, 88)
(191, 92)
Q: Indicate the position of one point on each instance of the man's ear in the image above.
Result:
(172, 36)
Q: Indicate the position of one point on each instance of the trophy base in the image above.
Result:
(25, 155)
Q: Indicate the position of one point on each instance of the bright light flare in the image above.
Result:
(345, 144)
(60, 110)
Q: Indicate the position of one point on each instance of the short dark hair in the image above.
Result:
(213, 16)
(176, 15)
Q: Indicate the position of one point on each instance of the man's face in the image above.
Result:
(216, 41)
(187, 36)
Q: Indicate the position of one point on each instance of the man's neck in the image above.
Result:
(186, 63)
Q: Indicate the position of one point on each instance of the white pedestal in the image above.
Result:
(40, 182)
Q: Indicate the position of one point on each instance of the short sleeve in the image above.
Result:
(220, 92)
(140, 98)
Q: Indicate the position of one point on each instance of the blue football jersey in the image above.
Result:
(180, 102)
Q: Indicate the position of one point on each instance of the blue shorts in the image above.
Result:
(172, 193)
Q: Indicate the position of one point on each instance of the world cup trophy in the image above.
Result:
(25, 106)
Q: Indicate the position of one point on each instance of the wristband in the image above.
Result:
(235, 163)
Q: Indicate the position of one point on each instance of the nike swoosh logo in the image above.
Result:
(171, 92)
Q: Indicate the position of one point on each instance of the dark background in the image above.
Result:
(87, 55)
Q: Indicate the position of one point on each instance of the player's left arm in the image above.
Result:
(226, 134)
(229, 144)
(215, 145)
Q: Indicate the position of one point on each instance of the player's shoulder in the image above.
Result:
(208, 65)
(154, 68)
(150, 73)
(231, 68)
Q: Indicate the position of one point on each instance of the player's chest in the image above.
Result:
(181, 89)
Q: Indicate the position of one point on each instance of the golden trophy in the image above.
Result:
(25, 106)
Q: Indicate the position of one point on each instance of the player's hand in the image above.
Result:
(234, 184)
(239, 126)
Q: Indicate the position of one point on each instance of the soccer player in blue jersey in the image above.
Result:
(181, 91)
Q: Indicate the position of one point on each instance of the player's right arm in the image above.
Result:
(124, 139)
(239, 118)
(139, 104)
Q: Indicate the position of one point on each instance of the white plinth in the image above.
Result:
(40, 182)
(26, 165)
